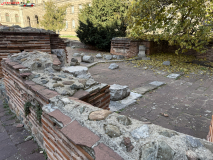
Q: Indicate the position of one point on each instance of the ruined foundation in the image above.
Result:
(67, 113)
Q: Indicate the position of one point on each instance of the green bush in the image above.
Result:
(99, 36)
(102, 21)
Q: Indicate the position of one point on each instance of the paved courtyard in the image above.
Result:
(12, 139)
(188, 101)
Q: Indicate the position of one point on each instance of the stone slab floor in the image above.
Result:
(12, 139)
(187, 101)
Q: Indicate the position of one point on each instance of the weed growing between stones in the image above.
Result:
(45, 154)
(38, 113)
(5, 104)
(27, 108)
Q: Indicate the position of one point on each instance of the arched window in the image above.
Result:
(17, 18)
(28, 20)
(7, 17)
(36, 17)
(73, 23)
(66, 25)
(72, 9)
(80, 7)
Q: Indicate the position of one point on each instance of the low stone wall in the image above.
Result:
(130, 48)
(69, 128)
(15, 39)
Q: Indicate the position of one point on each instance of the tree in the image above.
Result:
(186, 23)
(54, 17)
(102, 21)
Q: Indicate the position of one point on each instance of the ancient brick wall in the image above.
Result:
(57, 43)
(47, 133)
(70, 128)
(12, 42)
(130, 48)
(21, 40)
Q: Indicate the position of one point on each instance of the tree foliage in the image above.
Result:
(186, 23)
(102, 21)
(54, 17)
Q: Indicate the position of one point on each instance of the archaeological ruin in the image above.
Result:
(68, 112)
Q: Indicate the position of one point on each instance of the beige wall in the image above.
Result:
(38, 10)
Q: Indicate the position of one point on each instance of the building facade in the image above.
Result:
(31, 16)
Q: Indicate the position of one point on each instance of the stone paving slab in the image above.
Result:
(148, 87)
(12, 139)
(118, 105)
(183, 94)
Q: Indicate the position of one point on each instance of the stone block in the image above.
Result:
(80, 135)
(103, 152)
(141, 132)
(118, 92)
(59, 116)
(113, 66)
(88, 59)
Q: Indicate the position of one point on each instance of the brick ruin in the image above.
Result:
(67, 113)
(14, 39)
(130, 48)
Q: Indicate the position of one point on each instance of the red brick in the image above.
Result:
(105, 88)
(106, 98)
(25, 74)
(13, 63)
(30, 83)
(48, 93)
(37, 88)
(80, 135)
(103, 152)
(19, 66)
(96, 98)
(57, 114)
(81, 94)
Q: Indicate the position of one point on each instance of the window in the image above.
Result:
(66, 25)
(90, 4)
(73, 23)
(36, 17)
(36, 2)
(72, 9)
(7, 17)
(17, 18)
(80, 6)
(28, 19)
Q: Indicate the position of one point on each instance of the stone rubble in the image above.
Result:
(118, 92)
(76, 55)
(166, 63)
(173, 76)
(88, 59)
(98, 55)
(108, 57)
(113, 66)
